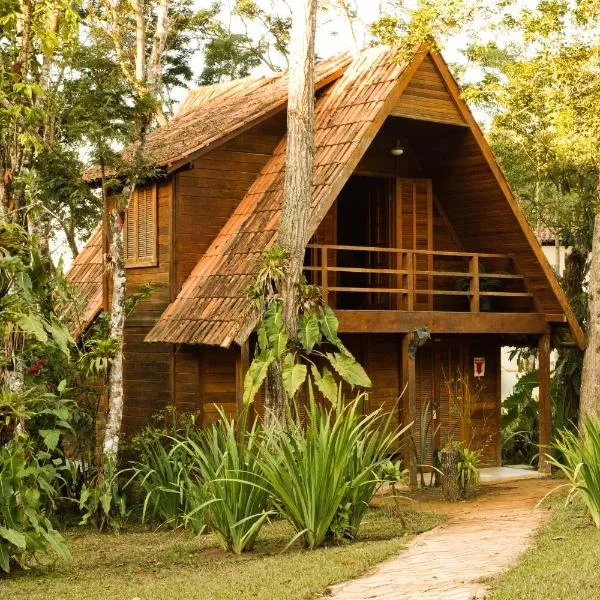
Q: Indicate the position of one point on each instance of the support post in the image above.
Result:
(545, 416)
(409, 387)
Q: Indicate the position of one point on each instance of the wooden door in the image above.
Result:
(414, 231)
(379, 195)
(449, 362)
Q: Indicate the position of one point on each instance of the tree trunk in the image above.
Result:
(297, 190)
(112, 432)
(590, 380)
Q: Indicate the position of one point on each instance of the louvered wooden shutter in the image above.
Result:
(140, 231)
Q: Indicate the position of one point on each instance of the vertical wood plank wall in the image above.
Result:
(147, 370)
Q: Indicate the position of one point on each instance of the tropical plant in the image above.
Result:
(224, 469)
(27, 494)
(422, 444)
(467, 470)
(102, 501)
(169, 494)
(323, 477)
(581, 463)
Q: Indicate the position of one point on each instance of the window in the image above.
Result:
(140, 229)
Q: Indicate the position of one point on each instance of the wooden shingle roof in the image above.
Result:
(213, 307)
(210, 117)
(86, 276)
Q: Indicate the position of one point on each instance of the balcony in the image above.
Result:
(362, 278)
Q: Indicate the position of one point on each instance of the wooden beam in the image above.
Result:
(545, 405)
(409, 388)
(398, 321)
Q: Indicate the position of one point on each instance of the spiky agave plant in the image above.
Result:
(581, 463)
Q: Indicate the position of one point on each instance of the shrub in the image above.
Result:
(224, 465)
(27, 494)
(323, 477)
(169, 494)
(102, 501)
(467, 470)
(581, 464)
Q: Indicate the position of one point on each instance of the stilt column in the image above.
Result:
(409, 387)
(545, 408)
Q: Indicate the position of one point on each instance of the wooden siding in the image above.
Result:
(146, 378)
(426, 98)
(217, 383)
(209, 192)
(147, 368)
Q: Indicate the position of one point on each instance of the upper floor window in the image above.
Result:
(140, 229)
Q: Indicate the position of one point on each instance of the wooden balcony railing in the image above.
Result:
(365, 277)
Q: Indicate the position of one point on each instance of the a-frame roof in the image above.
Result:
(213, 307)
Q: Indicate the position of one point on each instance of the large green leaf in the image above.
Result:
(256, 374)
(16, 538)
(278, 342)
(325, 383)
(60, 336)
(329, 325)
(309, 333)
(294, 375)
(32, 326)
(348, 369)
(50, 437)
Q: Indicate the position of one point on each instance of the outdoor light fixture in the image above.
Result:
(398, 149)
(420, 337)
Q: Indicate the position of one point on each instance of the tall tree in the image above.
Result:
(141, 65)
(297, 189)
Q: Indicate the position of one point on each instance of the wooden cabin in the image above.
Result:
(413, 225)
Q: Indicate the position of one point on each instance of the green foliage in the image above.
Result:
(581, 464)
(101, 500)
(169, 494)
(224, 467)
(520, 421)
(323, 477)
(467, 470)
(27, 494)
(422, 445)
(316, 328)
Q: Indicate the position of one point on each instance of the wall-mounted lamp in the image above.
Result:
(420, 337)
(398, 149)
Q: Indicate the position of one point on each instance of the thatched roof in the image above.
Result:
(211, 116)
(213, 307)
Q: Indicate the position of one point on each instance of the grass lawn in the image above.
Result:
(563, 563)
(176, 565)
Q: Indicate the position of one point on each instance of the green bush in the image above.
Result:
(169, 494)
(224, 467)
(27, 494)
(322, 478)
(581, 464)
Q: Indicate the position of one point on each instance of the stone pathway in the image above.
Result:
(482, 537)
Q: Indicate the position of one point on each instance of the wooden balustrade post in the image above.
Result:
(324, 276)
(474, 283)
(410, 280)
